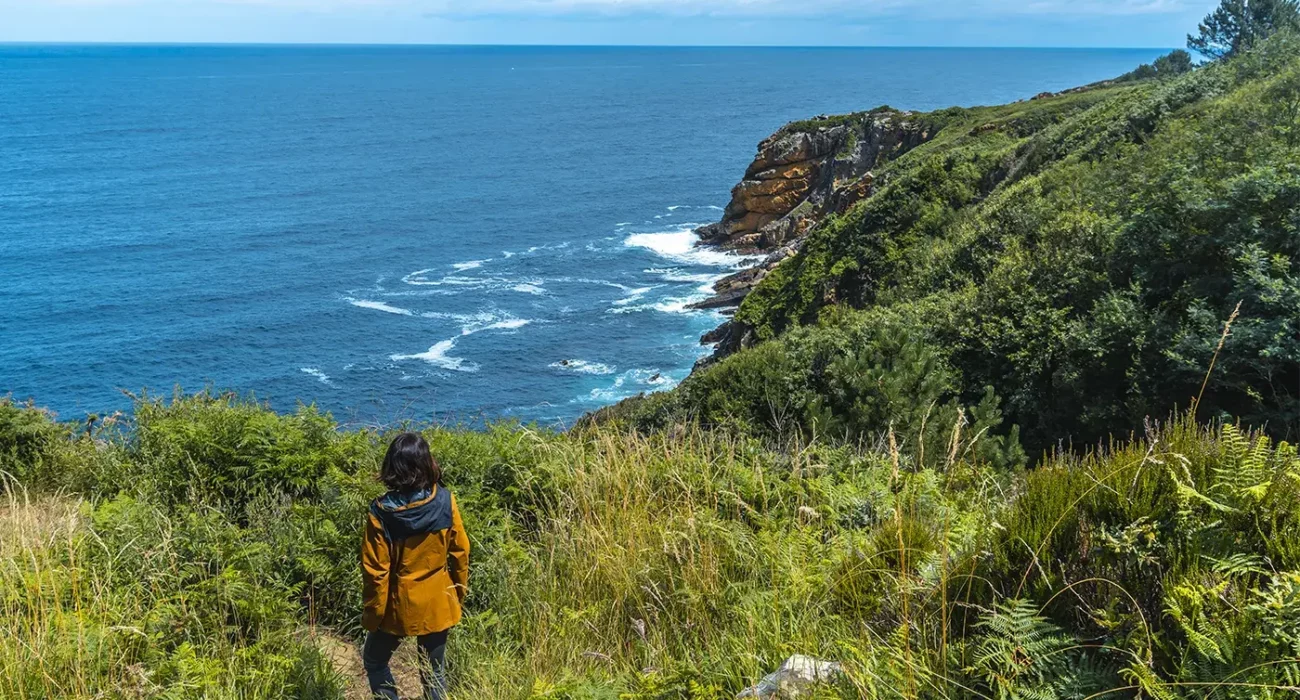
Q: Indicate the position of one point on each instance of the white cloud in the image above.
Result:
(853, 9)
(749, 9)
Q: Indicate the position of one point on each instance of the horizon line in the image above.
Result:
(345, 44)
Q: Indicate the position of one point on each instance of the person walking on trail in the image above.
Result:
(415, 566)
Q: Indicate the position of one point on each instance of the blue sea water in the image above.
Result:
(446, 233)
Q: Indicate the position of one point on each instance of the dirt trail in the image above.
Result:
(346, 659)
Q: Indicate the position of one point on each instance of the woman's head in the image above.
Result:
(409, 466)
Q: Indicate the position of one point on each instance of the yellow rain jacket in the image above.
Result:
(415, 563)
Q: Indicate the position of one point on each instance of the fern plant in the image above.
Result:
(1245, 476)
(1021, 655)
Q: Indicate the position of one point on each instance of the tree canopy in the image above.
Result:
(1237, 25)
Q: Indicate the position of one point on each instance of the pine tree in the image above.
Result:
(1173, 63)
(1237, 25)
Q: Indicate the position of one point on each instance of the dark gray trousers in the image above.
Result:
(378, 651)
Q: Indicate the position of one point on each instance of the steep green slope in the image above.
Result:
(1078, 254)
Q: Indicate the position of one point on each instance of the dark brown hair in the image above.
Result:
(408, 465)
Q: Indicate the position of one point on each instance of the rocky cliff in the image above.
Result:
(801, 173)
(807, 169)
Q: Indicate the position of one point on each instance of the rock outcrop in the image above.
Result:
(805, 170)
(802, 173)
(796, 677)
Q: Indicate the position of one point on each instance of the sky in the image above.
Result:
(1057, 23)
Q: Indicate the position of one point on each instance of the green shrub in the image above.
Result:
(1170, 65)
(227, 451)
(29, 439)
(850, 380)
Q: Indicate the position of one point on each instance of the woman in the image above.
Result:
(415, 565)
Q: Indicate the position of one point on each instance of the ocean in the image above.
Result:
(453, 234)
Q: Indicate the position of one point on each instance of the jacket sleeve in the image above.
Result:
(375, 564)
(458, 553)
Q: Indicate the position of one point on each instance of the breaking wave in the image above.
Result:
(380, 306)
(319, 375)
(437, 356)
(681, 246)
(583, 367)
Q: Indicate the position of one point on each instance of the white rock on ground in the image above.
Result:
(797, 674)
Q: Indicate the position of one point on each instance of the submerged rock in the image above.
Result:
(797, 675)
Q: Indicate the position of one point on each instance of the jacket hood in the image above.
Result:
(406, 515)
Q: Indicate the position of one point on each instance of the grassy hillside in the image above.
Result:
(1077, 255)
(208, 548)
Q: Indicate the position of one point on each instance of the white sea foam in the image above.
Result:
(679, 245)
(705, 280)
(629, 290)
(546, 246)
(430, 292)
(420, 278)
(676, 305)
(461, 283)
(628, 308)
(587, 280)
(633, 295)
(670, 244)
(473, 323)
(380, 306)
(668, 305)
(609, 394)
(441, 314)
(437, 356)
(465, 281)
(489, 321)
(630, 383)
(468, 265)
(319, 375)
(675, 275)
(508, 324)
(583, 367)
